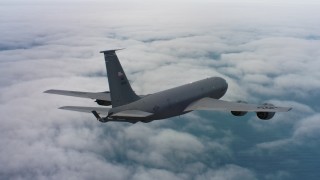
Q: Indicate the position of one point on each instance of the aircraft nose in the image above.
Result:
(225, 84)
(220, 87)
(222, 84)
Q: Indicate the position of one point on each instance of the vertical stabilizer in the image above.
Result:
(120, 88)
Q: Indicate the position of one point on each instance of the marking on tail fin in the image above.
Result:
(120, 74)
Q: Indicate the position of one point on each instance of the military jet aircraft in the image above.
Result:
(127, 106)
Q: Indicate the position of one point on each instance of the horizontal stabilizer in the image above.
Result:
(132, 113)
(216, 104)
(99, 110)
(92, 95)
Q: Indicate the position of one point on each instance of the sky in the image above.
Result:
(267, 51)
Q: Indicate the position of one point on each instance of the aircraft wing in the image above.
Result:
(104, 111)
(99, 110)
(216, 104)
(92, 95)
(132, 113)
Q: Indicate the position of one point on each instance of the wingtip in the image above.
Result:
(286, 109)
(47, 91)
(63, 107)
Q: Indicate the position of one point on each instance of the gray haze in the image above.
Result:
(266, 52)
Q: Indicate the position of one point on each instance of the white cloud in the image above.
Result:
(309, 129)
(143, 174)
(305, 130)
(169, 141)
(228, 172)
(261, 50)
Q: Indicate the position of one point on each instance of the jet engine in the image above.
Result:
(103, 102)
(239, 113)
(266, 115)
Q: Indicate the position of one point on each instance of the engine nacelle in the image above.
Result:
(239, 113)
(266, 115)
(103, 102)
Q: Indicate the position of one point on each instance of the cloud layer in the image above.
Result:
(266, 52)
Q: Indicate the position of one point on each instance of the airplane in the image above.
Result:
(127, 106)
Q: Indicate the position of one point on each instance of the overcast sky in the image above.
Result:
(268, 52)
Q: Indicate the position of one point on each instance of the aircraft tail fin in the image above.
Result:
(120, 88)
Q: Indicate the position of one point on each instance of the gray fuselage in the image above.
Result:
(172, 102)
